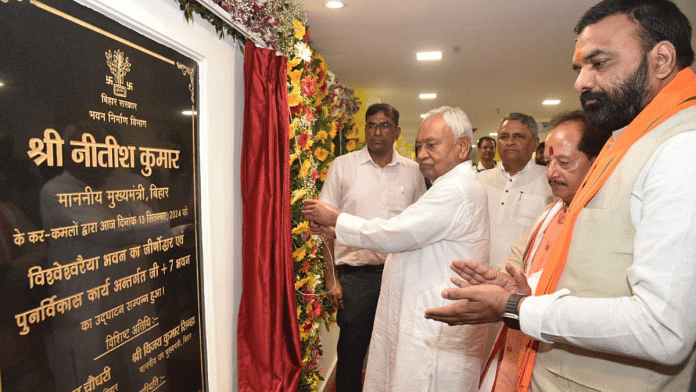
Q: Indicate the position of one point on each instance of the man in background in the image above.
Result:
(373, 182)
(539, 155)
(486, 148)
(517, 188)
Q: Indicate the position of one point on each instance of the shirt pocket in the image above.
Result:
(396, 197)
(526, 207)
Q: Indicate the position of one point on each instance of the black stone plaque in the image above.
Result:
(99, 261)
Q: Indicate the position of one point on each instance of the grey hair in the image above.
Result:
(524, 119)
(456, 119)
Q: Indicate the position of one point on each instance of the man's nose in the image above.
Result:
(420, 154)
(584, 81)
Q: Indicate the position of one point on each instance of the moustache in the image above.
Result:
(600, 98)
(557, 182)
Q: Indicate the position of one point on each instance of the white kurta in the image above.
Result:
(513, 203)
(409, 352)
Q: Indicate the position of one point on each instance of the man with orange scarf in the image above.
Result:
(611, 308)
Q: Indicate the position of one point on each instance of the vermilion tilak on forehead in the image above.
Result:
(550, 150)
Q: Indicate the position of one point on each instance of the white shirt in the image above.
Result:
(657, 322)
(409, 352)
(513, 204)
(479, 166)
(358, 186)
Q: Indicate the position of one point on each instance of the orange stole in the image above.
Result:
(678, 95)
(514, 340)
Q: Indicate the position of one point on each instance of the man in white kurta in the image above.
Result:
(408, 352)
(517, 189)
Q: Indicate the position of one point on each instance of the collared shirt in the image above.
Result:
(513, 204)
(655, 323)
(448, 222)
(358, 186)
(479, 166)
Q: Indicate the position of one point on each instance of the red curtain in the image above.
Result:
(268, 339)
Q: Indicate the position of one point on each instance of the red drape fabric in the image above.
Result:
(268, 339)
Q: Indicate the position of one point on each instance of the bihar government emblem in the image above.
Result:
(119, 66)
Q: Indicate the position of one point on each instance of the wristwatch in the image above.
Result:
(511, 317)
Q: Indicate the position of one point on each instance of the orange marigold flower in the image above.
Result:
(321, 136)
(294, 98)
(321, 154)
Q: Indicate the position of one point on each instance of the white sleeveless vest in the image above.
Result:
(600, 253)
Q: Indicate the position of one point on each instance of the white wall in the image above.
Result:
(221, 105)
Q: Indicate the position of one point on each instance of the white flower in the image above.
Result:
(303, 52)
(330, 78)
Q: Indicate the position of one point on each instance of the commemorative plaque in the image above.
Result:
(99, 260)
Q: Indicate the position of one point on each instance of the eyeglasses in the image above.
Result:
(385, 126)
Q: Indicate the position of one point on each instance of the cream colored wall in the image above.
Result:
(329, 340)
(221, 106)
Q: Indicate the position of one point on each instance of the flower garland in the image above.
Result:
(322, 112)
(269, 21)
(320, 109)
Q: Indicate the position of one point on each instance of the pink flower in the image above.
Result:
(317, 308)
(302, 140)
(309, 115)
(309, 87)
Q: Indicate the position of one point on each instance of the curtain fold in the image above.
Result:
(268, 340)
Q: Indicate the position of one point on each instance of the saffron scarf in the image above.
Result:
(678, 95)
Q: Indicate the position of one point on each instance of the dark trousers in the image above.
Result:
(360, 295)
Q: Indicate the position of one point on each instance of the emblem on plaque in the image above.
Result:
(119, 65)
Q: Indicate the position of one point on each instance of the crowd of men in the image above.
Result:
(589, 261)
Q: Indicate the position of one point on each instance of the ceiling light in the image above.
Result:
(334, 4)
(429, 56)
(427, 96)
(188, 112)
(551, 102)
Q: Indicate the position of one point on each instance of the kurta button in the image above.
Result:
(502, 203)
(507, 190)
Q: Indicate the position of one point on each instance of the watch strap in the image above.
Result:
(511, 317)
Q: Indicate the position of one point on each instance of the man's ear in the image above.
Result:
(465, 144)
(663, 59)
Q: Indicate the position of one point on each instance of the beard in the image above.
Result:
(617, 108)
